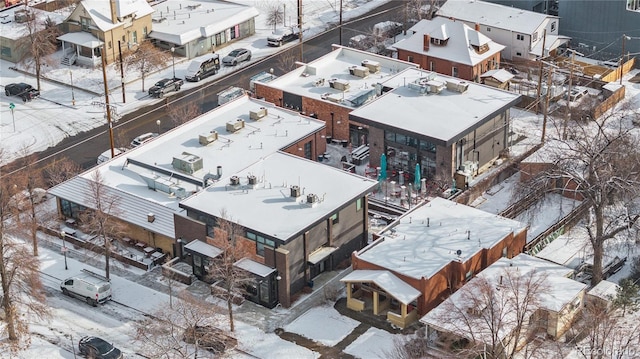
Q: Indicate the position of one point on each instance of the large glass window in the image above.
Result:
(71, 209)
(335, 218)
(85, 23)
(134, 37)
(261, 242)
(307, 150)
(359, 204)
(633, 5)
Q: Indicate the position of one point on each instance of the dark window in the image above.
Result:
(261, 242)
(6, 51)
(335, 218)
(85, 23)
(307, 150)
(520, 37)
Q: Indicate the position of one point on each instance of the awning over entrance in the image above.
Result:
(203, 248)
(391, 284)
(82, 39)
(552, 43)
(320, 254)
(254, 267)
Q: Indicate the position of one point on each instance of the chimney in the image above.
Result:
(151, 217)
(114, 13)
(425, 42)
(477, 27)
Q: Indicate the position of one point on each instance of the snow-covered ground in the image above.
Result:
(64, 111)
(45, 122)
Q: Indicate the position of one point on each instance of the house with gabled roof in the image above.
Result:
(195, 28)
(521, 31)
(451, 48)
(543, 292)
(248, 162)
(425, 255)
(120, 25)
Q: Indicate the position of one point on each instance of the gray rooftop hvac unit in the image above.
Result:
(338, 84)
(258, 114)
(187, 163)
(233, 126)
(359, 71)
(373, 66)
(295, 191)
(207, 138)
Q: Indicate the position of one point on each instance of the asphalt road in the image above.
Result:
(85, 147)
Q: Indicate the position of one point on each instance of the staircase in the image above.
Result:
(69, 58)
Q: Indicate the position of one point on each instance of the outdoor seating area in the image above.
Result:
(360, 154)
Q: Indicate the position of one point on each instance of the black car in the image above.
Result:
(96, 348)
(25, 91)
(165, 85)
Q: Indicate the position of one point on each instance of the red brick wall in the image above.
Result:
(442, 66)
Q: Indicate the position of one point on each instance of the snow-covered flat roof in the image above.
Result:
(254, 267)
(257, 206)
(11, 29)
(312, 80)
(426, 239)
(458, 48)
(559, 291)
(493, 15)
(134, 173)
(391, 284)
(501, 75)
(433, 114)
(604, 290)
(182, 21)
(100, 11)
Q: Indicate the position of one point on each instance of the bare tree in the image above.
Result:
(598, 162)
(39, 42)
(145, 59)
(29, 182)
(287, 61)
(231, 279)
(491, 317)
(182, 114)
(275, 15)
(188, 329)
(22, 294)
(100, 219)
(605, 332)
(60, 170)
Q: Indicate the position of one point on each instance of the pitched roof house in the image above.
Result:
(542, 291)
(450, 48)
(519, 30)
(118, 24)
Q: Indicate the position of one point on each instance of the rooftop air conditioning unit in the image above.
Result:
(233, 126)
(373, 66)
(258, 114)
(295, 191)
(342, 85)
(311, 198)
(187, 162)
(319, 82)
(252, 179)
(457, 86)
(359, 71)
(234, 180)
(207, 138)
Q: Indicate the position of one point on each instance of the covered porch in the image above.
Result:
(81, 48)
(384, 294)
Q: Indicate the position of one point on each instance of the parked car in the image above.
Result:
(235, 56)
(387, 29)
(91, 287)
(106, 155)
(203, 67)
(283, 35)
(142, 139)
(25, 91)
(165, 85)
(94, 347)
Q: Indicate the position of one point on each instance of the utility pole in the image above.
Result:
(340, 30)
(546, 106)
(544, 38)
(300, 28)
(566, 113)
(124, 100)
(106, 97)
(624, 37)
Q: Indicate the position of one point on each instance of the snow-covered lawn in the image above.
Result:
(374, 343)
(323, 325)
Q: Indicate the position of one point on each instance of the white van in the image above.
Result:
(203, 67)
(91, 287)
(142, 139)
(106, 155)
